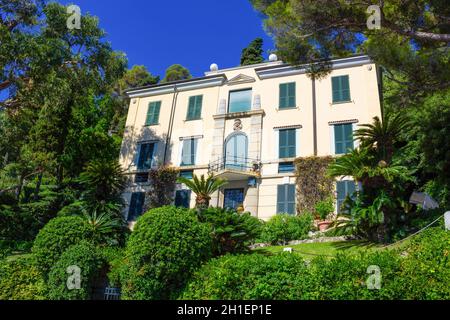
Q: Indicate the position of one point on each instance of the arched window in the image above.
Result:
(236, 148)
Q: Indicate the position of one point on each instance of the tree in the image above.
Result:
(253, 54)
(203, 188)
(163, 182)
(413, 36)
(176, 72)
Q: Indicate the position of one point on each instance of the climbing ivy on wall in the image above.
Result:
(163, 181)
(313, 183)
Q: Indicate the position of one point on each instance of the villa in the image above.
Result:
(247, 125)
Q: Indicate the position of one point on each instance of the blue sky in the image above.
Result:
(193, 33)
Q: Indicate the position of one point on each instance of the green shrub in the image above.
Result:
(91, 263)
(56, 237)
(21, 280)
(249, 277)
(324, 208)
(233, 232)
(283, 228)
(426, 268)
(167, 244)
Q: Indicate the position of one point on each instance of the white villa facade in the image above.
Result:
(247, 125)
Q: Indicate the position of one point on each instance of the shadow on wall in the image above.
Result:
(131, 140)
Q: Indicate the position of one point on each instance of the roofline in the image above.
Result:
(266, 70)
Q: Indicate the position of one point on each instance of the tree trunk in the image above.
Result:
(38, 187)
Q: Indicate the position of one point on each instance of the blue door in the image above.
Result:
(234, 198)
(236, 152)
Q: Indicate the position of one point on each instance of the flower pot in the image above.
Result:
(324, 225)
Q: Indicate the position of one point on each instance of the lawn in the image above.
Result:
(328, 249)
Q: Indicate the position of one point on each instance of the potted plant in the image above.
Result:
(324, 209)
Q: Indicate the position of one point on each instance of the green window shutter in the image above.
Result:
(189, 152)
(343, 138)
(287, 95)
(287, 144)
(281, 195)
(195, 108)
(286, 199)
(136, 206)
(153, 113)
(146, 156)
(344, 189)
(341, 88)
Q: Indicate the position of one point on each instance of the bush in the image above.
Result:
(281, 229)
(426, 269)
(423, 273)
(249, 277)
(90, 261)
(56, 237)
(21, 280)
(233, 232)
(167, 244)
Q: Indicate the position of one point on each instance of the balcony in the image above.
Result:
(235, 168)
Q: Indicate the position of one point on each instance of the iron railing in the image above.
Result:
(235, 164)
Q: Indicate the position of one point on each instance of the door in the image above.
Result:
(233, 198)
(236, 152)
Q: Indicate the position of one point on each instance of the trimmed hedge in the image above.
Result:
(56, 237)
(282, 228)
(167, 244)
(90, 261)
(420, 272)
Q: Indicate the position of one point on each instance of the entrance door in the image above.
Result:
(234, 198)
(236, 152)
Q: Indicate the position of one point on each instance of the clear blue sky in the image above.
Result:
(193, 33)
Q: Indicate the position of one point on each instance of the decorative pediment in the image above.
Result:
(241, 78)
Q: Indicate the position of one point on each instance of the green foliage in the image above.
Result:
(166, 246)
(248, 277)
(176, 72)
(163, 182)
(56, 237)
(203, 188)
(233, 232)
(253, 54)
(426, 270)
(282, 228)
(90, 262)
(313, 183)
(324, 208)
(423, 273)
(21, 280)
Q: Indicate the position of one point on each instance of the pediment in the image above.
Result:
(241, 78)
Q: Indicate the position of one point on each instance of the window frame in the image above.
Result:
(339, 97)
(285, 202)
(288, 97)
(344, 142)
(155, 119)
(196, 114)
(240, 90)
(138, 163)
(193, 157)
(288, 147)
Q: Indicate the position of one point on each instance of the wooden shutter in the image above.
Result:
(153, 113)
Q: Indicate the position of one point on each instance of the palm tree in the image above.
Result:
(203, 188)
(382, 134)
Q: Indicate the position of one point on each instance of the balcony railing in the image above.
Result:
(235, 164)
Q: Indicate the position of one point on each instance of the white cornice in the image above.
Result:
(288, 70)
(180, 86)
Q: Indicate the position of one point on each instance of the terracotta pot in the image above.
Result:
(324, 225)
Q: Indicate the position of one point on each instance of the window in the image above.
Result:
(194, 108)
(344, 188)
(343, 138)
(286, 199)
(146, 156)
(183, 198)
(189, 152)
(141, 178)
(287, 145)
(341, 89)
(153, 113)
(136, 206)
(286, 167)
(240, 101)
(287, 95)
(188, 174)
